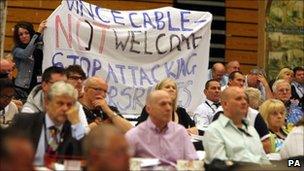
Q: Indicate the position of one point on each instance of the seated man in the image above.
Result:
(297, 86)
(203, 115)
(231, 137)
(282, 91)
(16, 151)
(256, 79)
(36, 101)
(7, 108)
(159, 137)
(105, 148)
(58, 131)
(217, 72)
(96, 108)
(236, 78)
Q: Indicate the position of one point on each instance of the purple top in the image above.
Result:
(170, 145)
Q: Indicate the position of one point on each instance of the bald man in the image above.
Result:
(159, 137)
(231, 137)
(6, 67)
(217, 72)
(97, 109)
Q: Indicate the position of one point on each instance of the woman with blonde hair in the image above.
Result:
(273, 112)
(179, 115)
(254, 97)
(286, 74)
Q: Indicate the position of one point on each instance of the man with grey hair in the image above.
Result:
(282, 91)
(105, 148)
(58, 131)
(231, 66)
(159, 137)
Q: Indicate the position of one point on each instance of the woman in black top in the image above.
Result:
(180, 115)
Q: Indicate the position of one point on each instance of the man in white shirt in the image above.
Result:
(203, 115)
(231, 137)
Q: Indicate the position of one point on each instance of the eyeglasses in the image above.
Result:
(76, 78)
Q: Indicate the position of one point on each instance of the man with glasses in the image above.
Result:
(76, 76)
(7, 108)
(282, 91)
(96, 108)
(231, 137)
(36, 100)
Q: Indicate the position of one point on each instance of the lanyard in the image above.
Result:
(210, 106)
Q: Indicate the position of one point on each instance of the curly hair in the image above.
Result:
(25, 25)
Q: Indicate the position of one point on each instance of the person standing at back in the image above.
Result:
(28, 54)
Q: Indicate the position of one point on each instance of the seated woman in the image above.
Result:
(285, 74)
(273, 112)
(180, 115)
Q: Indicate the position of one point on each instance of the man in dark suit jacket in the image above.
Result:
(61, 115)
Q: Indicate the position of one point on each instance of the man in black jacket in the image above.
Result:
(58, 131)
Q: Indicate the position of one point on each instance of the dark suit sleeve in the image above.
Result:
(261, 127)
(184, 118)
(143, 116)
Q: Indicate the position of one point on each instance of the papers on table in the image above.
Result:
(137, 163)
(274, 156)
(196, 138)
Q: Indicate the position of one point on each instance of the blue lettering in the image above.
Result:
(97, 13)
(96, 66)
(153, 73)
(139, 92)
(171, 28)
(111, 73)
(124, 92)
(158, 19)
(131, 20)
(147, 20)
(84, 60)
(59, 64)
(88, 11)
(121, 69)
(168, 70)
(112, 92)
(115, 17)
(74, 57)
(133, 69)
(184, 20)
(144, 76)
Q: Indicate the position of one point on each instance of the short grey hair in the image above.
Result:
(62, 88)
(280, 81)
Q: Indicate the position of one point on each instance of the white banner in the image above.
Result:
(132, 50)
